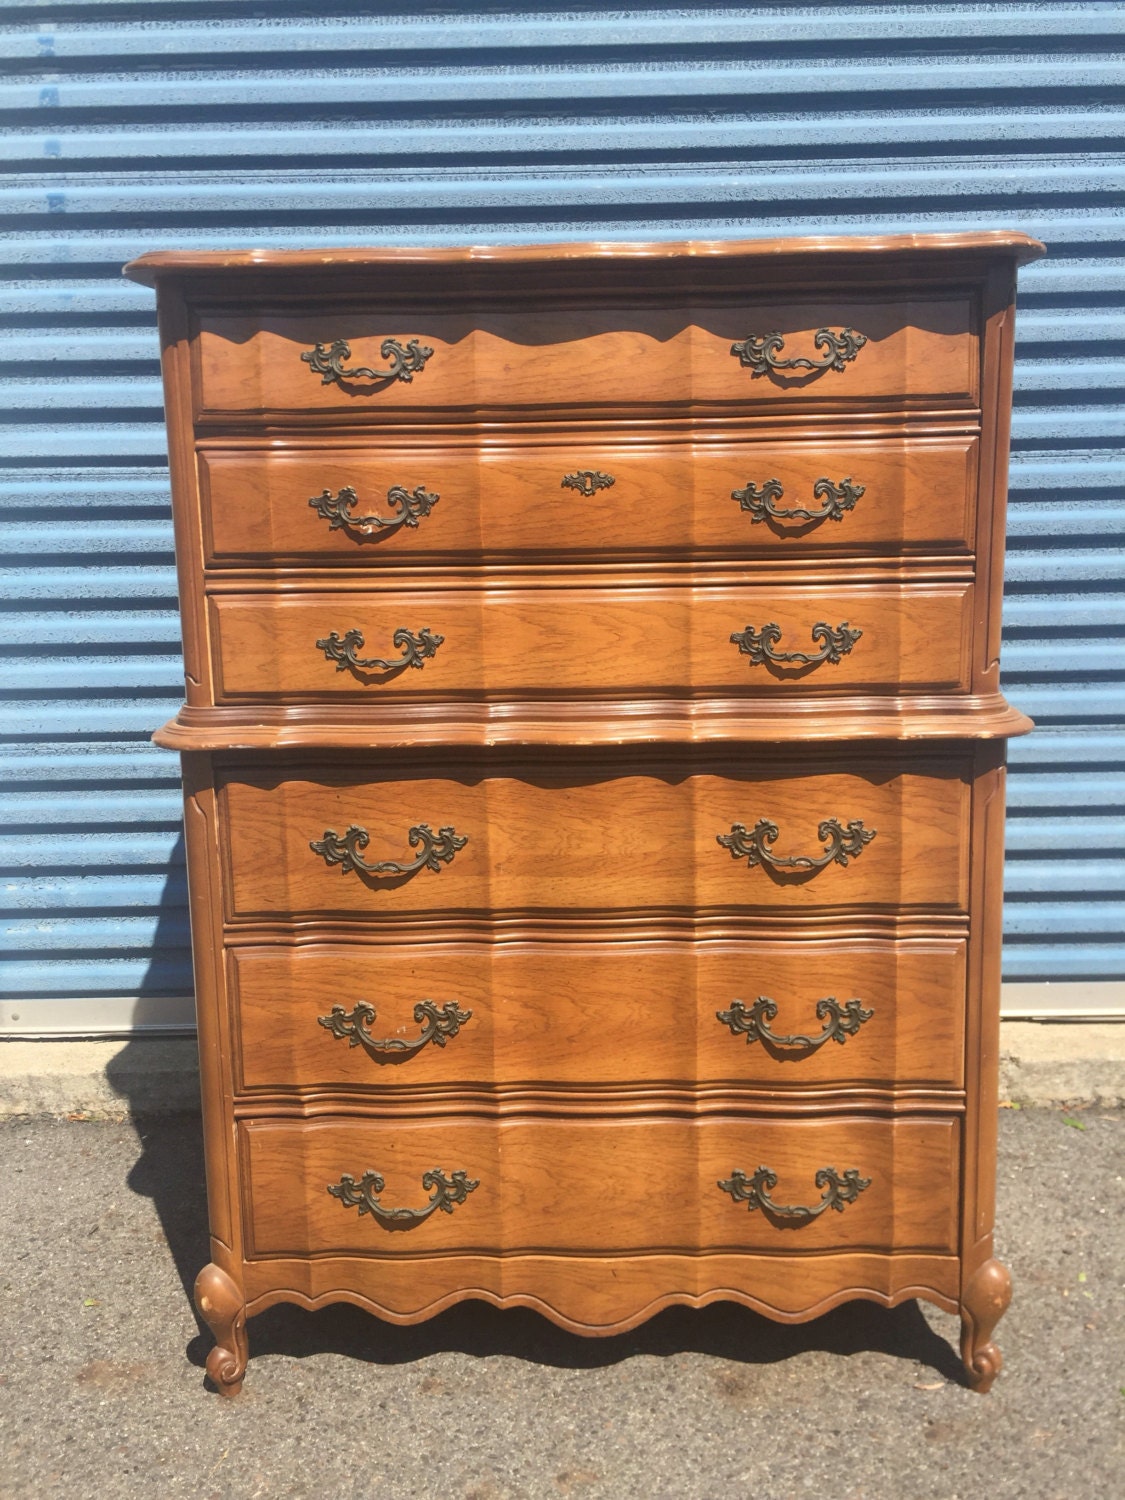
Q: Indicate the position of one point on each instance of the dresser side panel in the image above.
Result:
(212, 1016)
(176, 363)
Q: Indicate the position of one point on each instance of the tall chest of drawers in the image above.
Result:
(593, 760)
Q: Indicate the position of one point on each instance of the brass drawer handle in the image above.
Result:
(588, 481)
(755, 1192)
(437, 850)
(447, 1191)
(758, 503)
(414, 504)
(841, 844)
(842, 1021)
(836, 642)
(440, 1026)
(416, 649)
(406, 361)
(758, 353)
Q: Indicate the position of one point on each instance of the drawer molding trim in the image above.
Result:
(842, 1021)
(759, 506)
(759, 353)
(336, 510)
(441, 1024)
(755, 1191)
(836, 643)
(447, 1192)
(347, 852)
(416, 650)
(407, 360)
(841, 844)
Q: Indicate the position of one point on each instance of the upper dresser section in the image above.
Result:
(684, 492)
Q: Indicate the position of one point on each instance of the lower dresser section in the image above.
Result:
(598, 1033)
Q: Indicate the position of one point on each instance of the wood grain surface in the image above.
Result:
(501, 640)
(596, 1296)
(576, 358)
(553, 840)
(603, 1186)
(595, 1014)
(695, 263)
(499, 498)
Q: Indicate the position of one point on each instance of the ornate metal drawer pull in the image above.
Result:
(406, 361)
(415, 650)
(836, 642)
(440, 1026)
(842, 1021)
(447, 1192)
(758, 503)
(841, 844)
(755, 1192)
(437, 850)
(588, 481)
(759, 353)
(414, 504)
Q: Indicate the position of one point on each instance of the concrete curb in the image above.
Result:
(104, 1080)
(1049, 1065)
(1068, 1063)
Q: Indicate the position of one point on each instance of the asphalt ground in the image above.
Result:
(103, 1228)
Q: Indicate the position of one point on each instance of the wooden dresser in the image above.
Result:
(593, 760)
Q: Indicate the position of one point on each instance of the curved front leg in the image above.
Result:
(983, 1303)
(221, 1307)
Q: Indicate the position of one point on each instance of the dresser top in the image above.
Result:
(1013, 244)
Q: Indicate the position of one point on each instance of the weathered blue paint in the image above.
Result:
(572, 122)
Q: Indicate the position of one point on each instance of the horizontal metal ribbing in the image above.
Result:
(294, 129)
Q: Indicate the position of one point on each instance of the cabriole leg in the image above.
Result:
(983, 1303)
(221, 1307)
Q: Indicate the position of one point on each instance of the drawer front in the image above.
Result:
(377, 645)
(608, 1187)
(846, 1013)
(915, 351)
(789, 499)
(547, 839)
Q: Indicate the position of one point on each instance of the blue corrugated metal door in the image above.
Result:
(133, 126)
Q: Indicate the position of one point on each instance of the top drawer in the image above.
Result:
(909, 353)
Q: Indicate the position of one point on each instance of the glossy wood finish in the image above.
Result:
(589, 727)
(596, 1296)
(599, 1014)
(568, 639)
(501, 498)
(918, 351)
(598, 1187)
(605, 838)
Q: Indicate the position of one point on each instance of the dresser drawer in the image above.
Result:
(914, 351)
(587, 496)
(613, 1187)
(559, 837)
(447, 642)
(335, 1017)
